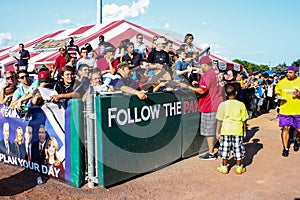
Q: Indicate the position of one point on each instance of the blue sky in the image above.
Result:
(258, 31)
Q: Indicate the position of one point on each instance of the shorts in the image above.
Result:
(289, 120)
(233, 143)
(208, 124)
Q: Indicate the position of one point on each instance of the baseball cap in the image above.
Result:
(160, 41)
(124, 64)
(44, 76)
(292, 68)
(109, 49)
(205, 59)
(129, 44)
(42, 68)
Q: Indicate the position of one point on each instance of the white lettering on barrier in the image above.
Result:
(119, 119)
(10, 160)
(44, 169)
(172, 109)
(110, 115)
(53, 171)
(136, 119)
(133, 115)
(145, 117)
(178, 106)
(29, 165)
(25, 163)
(2, 157)
(155, 111)
(7, 112)
(130, 121)
(21, 162)
(36, 167)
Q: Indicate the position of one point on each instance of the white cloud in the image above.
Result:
(112, 12)
(5, 38)
(167, 25)
(64, 21)
(214, 48)
(203, 23)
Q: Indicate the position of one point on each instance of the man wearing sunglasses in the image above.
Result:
(8, 87)
(24, 92)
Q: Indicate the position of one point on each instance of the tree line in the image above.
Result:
(251, 67)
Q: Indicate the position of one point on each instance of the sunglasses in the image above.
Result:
(22, 77)
(9, 77)
(96, 79)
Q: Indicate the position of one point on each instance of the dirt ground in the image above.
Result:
(268, 176)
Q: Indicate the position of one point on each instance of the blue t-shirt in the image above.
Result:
(181, 66)
(23, 54)
(126, 82)
(22, 91)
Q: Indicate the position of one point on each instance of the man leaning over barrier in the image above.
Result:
(69, 87)
(126, 84)
(210, 93)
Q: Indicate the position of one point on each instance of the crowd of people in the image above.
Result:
(137, 69)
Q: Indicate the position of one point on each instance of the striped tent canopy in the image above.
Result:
(44, 50)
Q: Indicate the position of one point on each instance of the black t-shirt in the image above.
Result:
(76, 86)
(160, 57)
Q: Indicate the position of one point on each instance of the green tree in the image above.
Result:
(251, 67)
(296, 63)
(280, 67)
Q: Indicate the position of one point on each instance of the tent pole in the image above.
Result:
(99, 12)
(90, 140)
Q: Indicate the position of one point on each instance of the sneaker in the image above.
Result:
(285, 152)
(296, 145)
(208, 156)
(222, 169)
(239, 169)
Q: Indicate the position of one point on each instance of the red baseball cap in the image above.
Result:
(205, 59)
(44, 76)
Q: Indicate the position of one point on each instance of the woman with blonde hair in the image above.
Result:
(20, 143)
(55, 166)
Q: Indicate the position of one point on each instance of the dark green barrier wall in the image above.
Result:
(74, 141)
(192, 142)
(136, 145)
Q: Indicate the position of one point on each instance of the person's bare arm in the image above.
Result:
(70, 95)
(218, 128)
(196, 90)
(129, 90)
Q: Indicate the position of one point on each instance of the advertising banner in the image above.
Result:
(39, 140)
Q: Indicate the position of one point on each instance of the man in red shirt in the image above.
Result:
(210, 97)
(60, 62)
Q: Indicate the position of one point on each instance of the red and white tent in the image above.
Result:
(44, 50)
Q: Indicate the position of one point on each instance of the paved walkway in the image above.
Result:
(268, 176)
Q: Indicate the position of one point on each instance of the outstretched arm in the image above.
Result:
(129, 90)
